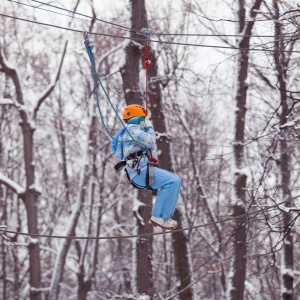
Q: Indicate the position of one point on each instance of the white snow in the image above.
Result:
(32, 240)
(12, 184)
(290, 124)
(136, 205)
(4, 101)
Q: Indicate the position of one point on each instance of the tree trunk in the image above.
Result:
(236, 284)
(202, 198)
(287, 254)
(31, 194)
(133, 94)
(179, 239)
(31, 204)
(63, 146)
(62, 254)
(182, 265)
(86, 274)
(3, 246)
(130, 71)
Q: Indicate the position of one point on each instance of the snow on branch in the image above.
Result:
(52, 85)
(12, 185)
(7, 101)
(12, 72)
(4, 101)
(136, 205)
(290, 124)
(289, 209)
(45, 289)
(253, 13)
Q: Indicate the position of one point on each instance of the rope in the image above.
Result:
(96, 78)
(147, 62)
(34, 235)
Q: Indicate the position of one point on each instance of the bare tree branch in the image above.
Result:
(18, 189)
(11, 71)
(6, 101)
(263, 77)
(52, 85)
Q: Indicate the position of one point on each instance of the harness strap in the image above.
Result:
(135, 154)
(120, 165)
(149, 176)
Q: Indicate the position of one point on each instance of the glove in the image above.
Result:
(154, 160)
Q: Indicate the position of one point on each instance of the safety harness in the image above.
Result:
(136, 158)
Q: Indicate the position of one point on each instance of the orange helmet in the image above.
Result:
(134, 110)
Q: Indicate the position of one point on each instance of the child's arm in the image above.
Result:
(147, 137)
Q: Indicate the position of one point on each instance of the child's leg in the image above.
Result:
(169, 185)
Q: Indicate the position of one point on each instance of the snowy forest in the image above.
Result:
(224, 101)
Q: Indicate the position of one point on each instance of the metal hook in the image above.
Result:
(86, 36)
(147, 32)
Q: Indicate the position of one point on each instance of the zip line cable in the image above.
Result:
(129, 29)
(236, 21)
(80, 14)
(35, 235)
(213, 35)
(136, 31)
(65, 28)
(142, 39)
(47, 10)
(133, 30)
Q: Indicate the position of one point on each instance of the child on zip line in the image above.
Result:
(133, 145)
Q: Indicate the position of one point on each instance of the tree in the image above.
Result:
(180, 240)
(284, 163)
(62, 254)
(239, 243)
(30, 193)
(251, 252)
(131, 81)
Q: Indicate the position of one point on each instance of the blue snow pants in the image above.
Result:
(169, 185)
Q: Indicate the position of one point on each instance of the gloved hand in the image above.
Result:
(154, 160)
(149, 128)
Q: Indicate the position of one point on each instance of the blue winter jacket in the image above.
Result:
(126, 141)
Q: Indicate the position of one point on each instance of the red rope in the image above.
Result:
(147, 64)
